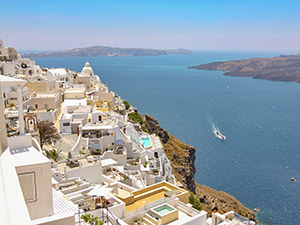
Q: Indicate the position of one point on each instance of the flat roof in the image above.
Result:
(75, 90)
(11, 81)
(97, 127)
(45, 95)
(84, 163)
(108, 162)
(75, 102)
(25, 156)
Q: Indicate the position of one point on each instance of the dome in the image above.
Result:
(87, 69)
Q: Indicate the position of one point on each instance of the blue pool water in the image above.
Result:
(147, 142)
(259, 118)
(162, 210)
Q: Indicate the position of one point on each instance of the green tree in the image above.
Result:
(127, 105)
(195, 202)
(192, 198)
(48, 133)
(91, 219)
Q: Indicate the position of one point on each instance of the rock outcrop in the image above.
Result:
(182, 157)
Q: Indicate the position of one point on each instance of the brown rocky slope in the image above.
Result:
(182, 157)
(283, 68)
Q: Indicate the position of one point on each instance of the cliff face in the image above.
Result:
(182, 157)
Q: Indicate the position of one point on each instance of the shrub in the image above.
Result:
(135, 117)
(127, 105)
(195, 202)
(91, 219)
(145, 164)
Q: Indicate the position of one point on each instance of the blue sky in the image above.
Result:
(197, 25)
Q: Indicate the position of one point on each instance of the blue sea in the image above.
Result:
(260, 119)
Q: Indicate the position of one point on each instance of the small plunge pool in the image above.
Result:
(162, 210)
(147, 142)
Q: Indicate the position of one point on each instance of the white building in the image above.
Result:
(63, 77)
(26, 192)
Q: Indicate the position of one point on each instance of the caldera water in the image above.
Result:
(259, 118)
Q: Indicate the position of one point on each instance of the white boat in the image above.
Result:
(219, 134)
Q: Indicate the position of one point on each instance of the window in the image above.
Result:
(66, 124)
(28, 186)
(36, 106)
(100, 118)
(4, 95)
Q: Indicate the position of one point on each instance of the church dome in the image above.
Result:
(87, 69)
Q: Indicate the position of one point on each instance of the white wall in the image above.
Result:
(12, 206)
(107, 141)
(20, 141)
(42, 207)
(197, 220)
(44, 116)
(120, 158)
(65, 129)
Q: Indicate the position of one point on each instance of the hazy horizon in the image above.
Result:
(195, 25)
(276, 51)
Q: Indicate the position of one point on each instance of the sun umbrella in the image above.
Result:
(100, 191)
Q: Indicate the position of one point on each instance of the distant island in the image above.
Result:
(108, 51)
(280, 68)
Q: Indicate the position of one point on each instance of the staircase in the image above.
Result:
(149, 220)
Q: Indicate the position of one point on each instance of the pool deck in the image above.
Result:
(152, 144)
(140, 203)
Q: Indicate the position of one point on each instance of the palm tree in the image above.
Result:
(53, 154)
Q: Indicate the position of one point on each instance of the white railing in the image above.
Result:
(186, 208)
(148, 206)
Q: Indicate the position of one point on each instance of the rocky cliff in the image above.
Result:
(182, 157)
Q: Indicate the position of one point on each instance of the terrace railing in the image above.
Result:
(148, 206)
(242, 219)
(106, 216)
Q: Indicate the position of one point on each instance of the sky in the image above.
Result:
(196, 25)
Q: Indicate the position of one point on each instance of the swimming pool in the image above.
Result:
(147, 142)
(162, 210)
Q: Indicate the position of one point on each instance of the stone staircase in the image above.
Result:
(149, 220)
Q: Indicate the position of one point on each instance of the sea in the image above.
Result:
(260, 119)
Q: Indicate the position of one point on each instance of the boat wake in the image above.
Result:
(218, 134)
